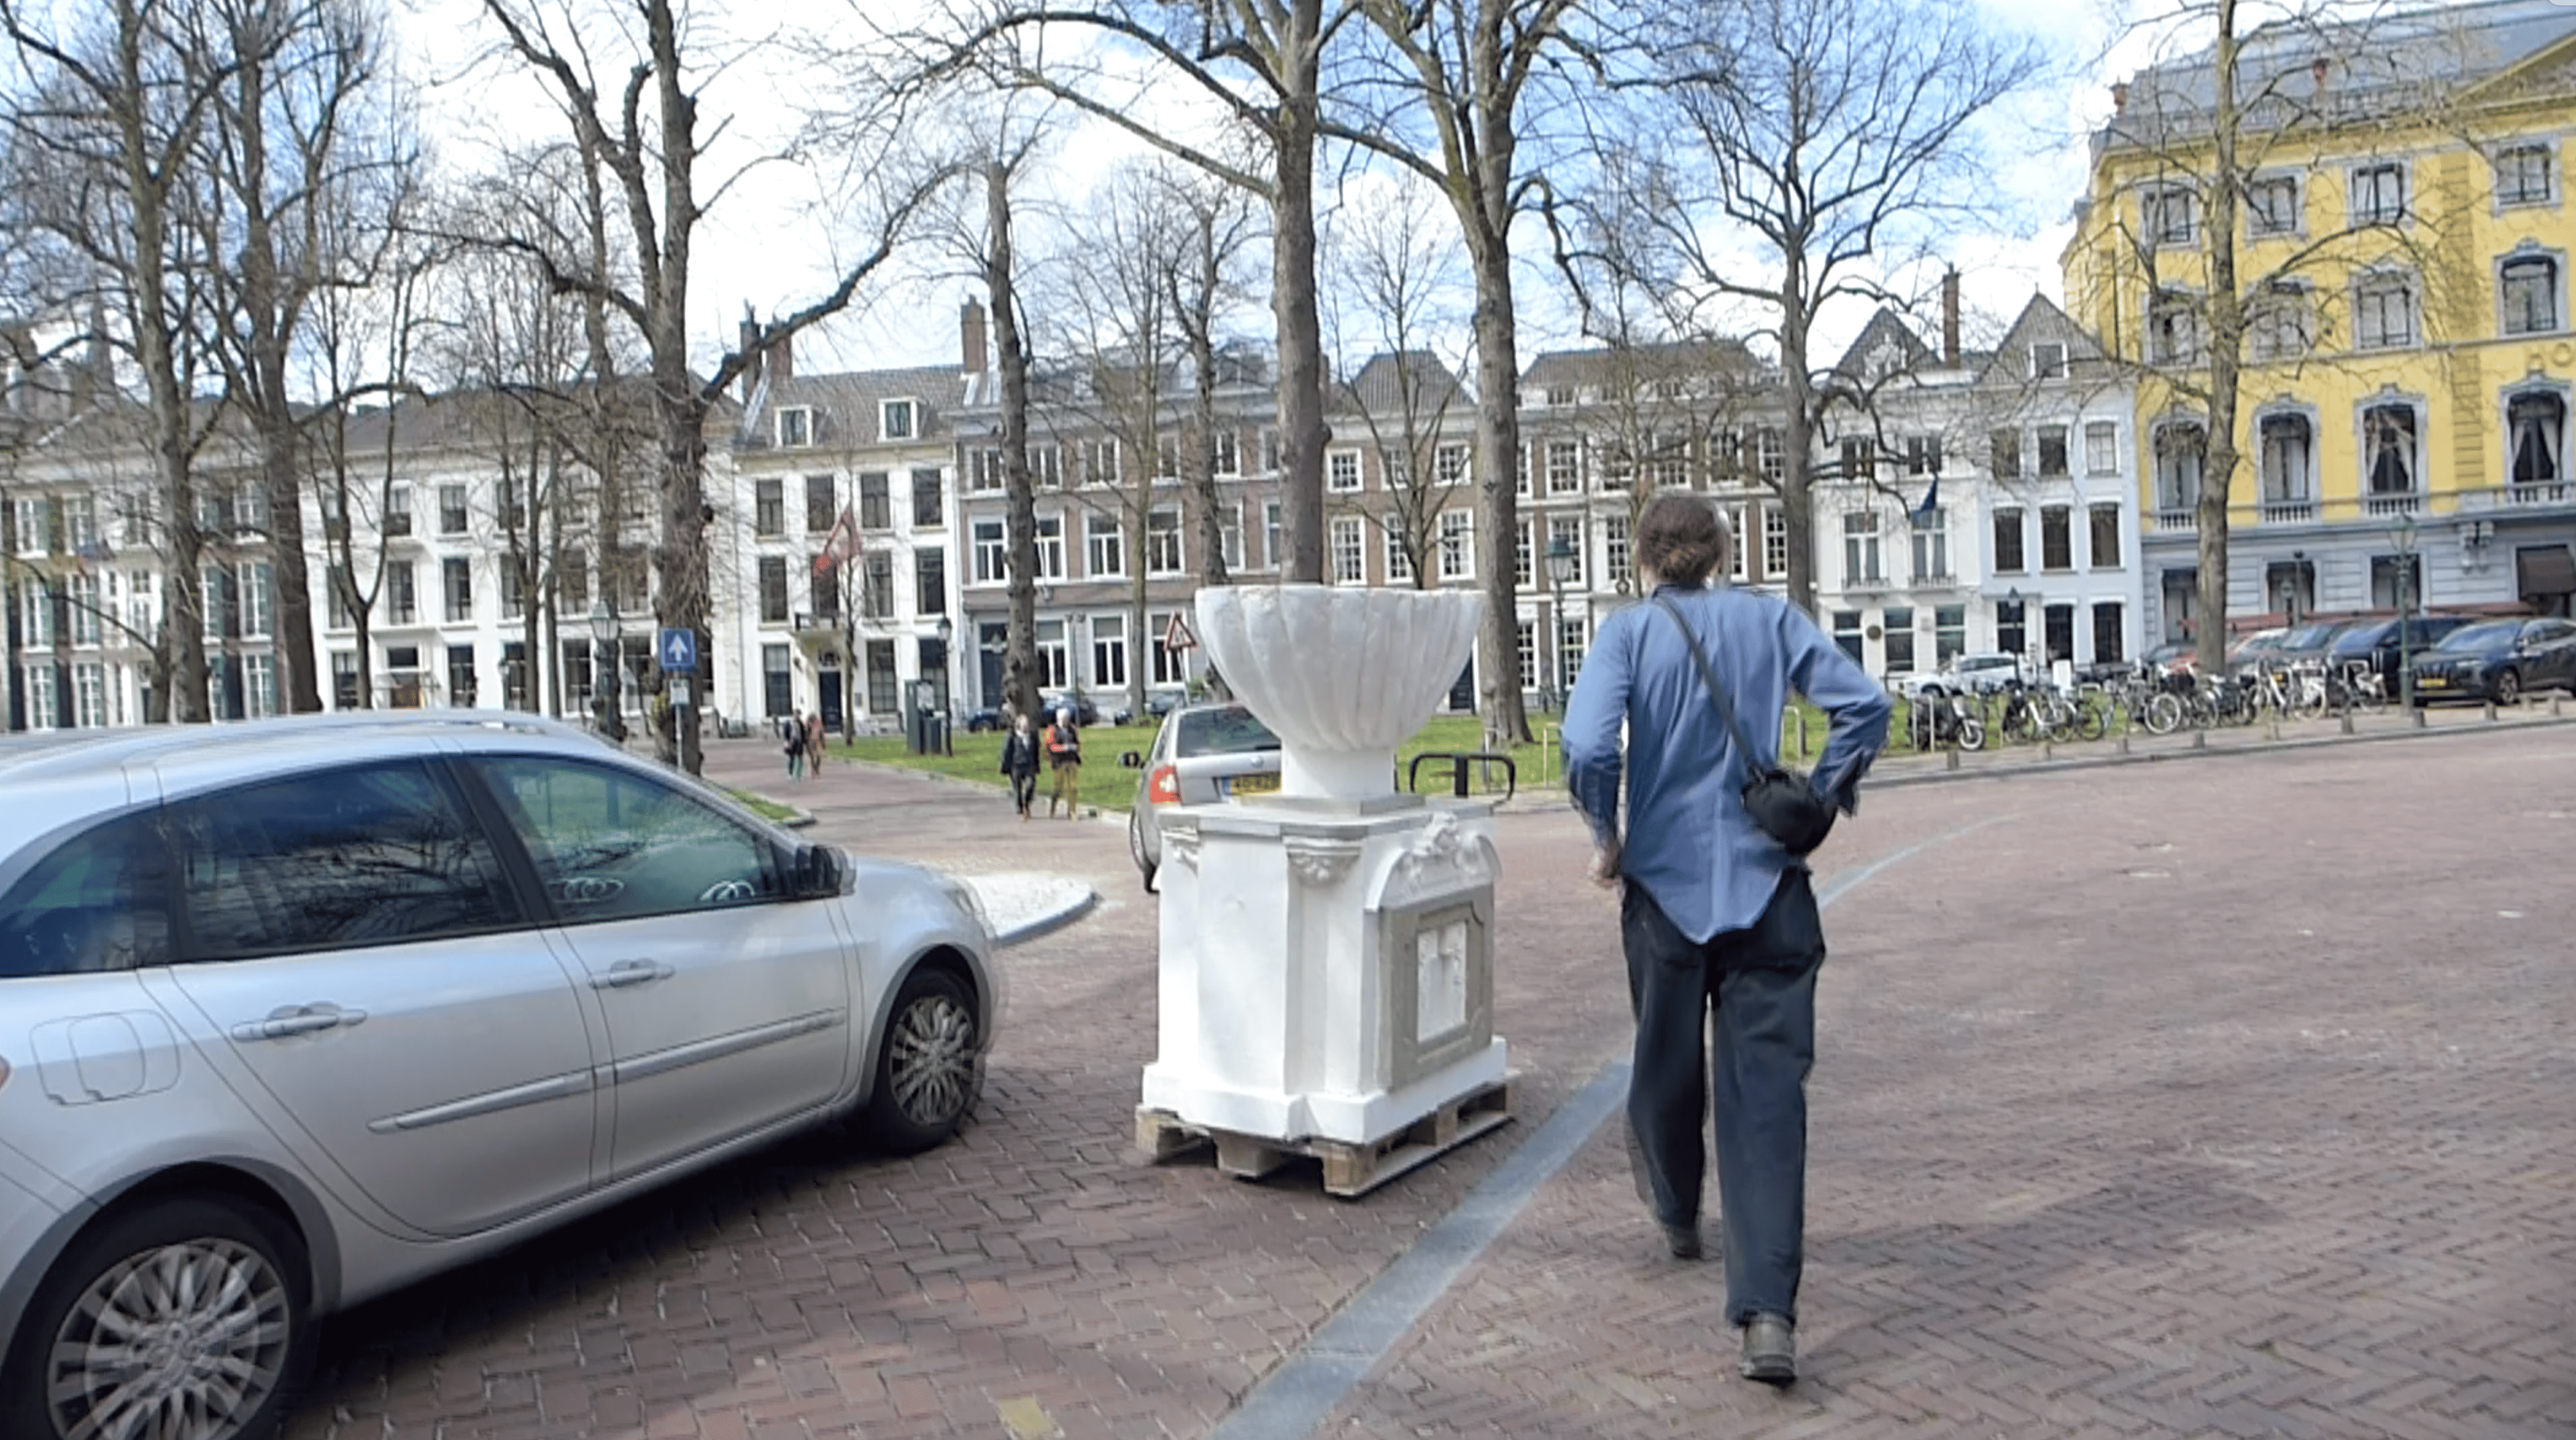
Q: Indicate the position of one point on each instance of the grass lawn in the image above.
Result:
(1112, 787)
(763, 806)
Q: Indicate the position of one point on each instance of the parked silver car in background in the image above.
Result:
(294, 1012)
(1203, 754)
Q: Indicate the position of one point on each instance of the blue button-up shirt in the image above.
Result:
(1689, 841)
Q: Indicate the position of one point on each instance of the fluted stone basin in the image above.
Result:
(1343, 675)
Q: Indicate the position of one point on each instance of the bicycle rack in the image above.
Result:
(1458, 762)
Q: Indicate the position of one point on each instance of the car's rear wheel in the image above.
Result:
(183, 1319)
(1145, 865)
(930, 1066)
(2508, 687)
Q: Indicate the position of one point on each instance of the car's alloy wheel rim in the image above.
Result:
(181, 1342)
(934, 1059)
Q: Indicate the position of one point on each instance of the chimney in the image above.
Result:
(748, 346)
(782, 357)
(2119, 97)
(1950, 318)
(970, 336)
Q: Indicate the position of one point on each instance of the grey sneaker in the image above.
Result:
(1683, 1240)
(1770, 1350)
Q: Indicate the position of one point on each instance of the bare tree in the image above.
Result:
(103, 146)
(1829, 133)
(1392, 262)
(1223, 229)
(1443, 96)
(648, 136)
(305, 123)
(1262, 68)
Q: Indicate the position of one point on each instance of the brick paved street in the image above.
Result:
(2232, 1097)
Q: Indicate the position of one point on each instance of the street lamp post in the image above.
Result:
(2401, 532)
(1560, 568)
(603, 631)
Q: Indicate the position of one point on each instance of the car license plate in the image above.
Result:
(2430, 682)
(1254, 785)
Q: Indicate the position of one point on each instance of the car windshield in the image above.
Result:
(1230, 731)
(2363, 637)
(2480, 637)
(1987, 662)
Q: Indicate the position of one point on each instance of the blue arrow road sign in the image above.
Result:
(679, 650)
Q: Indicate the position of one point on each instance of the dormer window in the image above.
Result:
(795, 427)
(1560, 395)
(2048, 360)
(895, 420)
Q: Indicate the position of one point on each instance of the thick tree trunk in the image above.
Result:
(1020, 524)
(1292, 298)
(2226, 332)
(1797, 439)
(1498, 457)
(1211, 520)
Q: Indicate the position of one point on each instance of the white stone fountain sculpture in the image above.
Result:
(1326, 977)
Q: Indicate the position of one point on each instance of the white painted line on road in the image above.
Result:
(1311, 1383)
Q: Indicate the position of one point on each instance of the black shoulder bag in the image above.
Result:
(1783, 802)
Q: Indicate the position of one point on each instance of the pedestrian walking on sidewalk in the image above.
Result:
(1715, 914)
(792, 731)
(815, 738)
(1064, 753)
(1020, 763)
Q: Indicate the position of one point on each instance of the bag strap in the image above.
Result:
(1708, 678)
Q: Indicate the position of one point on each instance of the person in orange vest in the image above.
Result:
(1064, 753)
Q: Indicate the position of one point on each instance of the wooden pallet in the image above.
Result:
(1349, 1169)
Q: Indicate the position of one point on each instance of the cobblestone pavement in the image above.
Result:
(2230, 1098)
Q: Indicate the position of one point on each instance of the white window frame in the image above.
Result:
(2553, 293)
(899, 419)
(1568, 528)
(1101, 463)
(1457, 545)
(1346, 553)
(1166, 542)
(1229, 453)
(2173, 329)
(2101, 447)
(2556, 447)
(2366, 202)
(1862, 561)
(1050, 547)
(1104, 546)
(1564, 467)
(1046, 465)
(1450, 463)
(2258, 215)
(984, 469)
(990, 542)
(2522, 151)
(795, 427)
(2048, 360)
(1342, 471)
(2281, 323)
(1775, 543)
(1274, 533)
(2169, 216)
(2273, 486)
(1109, 654)
(1931, 546)
(2369, 449)
(1399, 561)
(2372, 294)
(1229, 531)
(1617, 562)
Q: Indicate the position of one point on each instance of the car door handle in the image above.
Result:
(631, 972)
(289, 1021)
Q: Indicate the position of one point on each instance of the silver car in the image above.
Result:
(292, 1013)
(1203, 754)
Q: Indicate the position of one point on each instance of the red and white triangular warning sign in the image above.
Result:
(1177, 636)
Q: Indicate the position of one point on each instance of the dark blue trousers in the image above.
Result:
(1760, 984)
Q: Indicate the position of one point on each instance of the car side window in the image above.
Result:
(99, 901)
(380, 854)
(610, 844)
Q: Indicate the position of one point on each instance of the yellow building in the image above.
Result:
(2403, 238)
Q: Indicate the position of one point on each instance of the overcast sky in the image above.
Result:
(764, 247)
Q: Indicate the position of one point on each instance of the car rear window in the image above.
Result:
(1222, 732)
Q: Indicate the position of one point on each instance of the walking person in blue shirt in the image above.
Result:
(1715, 915)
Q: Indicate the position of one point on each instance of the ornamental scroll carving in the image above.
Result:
(1319, 863)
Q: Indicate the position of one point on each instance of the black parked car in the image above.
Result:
(2498, 660)
(2376, 643)
(1085, 713)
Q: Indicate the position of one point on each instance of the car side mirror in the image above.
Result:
(1132, 759)
(817, 871)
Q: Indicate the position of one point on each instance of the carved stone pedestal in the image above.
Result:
(1327, 979)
